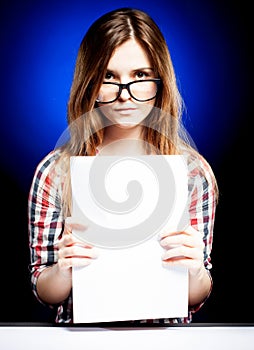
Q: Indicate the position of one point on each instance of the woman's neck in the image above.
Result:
(113, 133)
(118, 140)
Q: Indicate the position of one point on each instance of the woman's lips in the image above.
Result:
(125, 111)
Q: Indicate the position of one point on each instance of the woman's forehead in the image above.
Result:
(130, 55)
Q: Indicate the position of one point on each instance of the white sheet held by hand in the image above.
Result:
(127, 281)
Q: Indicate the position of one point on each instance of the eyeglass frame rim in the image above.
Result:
(126, 86)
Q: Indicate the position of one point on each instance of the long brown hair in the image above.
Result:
(85, 122)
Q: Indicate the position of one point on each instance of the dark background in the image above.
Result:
(211, 45)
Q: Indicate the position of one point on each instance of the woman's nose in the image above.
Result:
(125, 95)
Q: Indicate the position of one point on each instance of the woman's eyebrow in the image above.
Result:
(142, 68)
(133, 70)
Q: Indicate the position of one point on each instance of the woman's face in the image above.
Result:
(129, 63)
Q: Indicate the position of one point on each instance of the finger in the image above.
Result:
(182, 239)
(167, 233)
(191, 265)
(179, 239)
(189, 230)
(78, 252)
(72, 223)
(65, 264)
(69, 240)
(183, 251)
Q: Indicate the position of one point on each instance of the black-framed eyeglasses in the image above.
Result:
(140, 90)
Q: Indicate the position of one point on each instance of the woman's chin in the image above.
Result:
(127, 124)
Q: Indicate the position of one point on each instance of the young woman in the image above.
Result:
(124, 88)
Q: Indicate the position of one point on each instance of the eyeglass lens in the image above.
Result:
(139, 90)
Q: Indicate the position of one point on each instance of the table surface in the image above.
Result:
(47, 337)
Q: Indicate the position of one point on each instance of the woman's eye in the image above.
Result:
(108, 75)
(142, 75)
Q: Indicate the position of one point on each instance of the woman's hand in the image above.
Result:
(72, 251)
(184, 248)
(55, 282)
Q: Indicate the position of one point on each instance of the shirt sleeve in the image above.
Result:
(202, 205)
(45, 220)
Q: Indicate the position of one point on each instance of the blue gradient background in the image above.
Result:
(210, 45)
(40, 46)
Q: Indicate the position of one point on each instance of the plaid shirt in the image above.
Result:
(46, 224)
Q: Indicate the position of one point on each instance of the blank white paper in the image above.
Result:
(127, 281)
